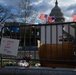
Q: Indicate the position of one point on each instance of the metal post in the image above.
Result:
(1, 38)
(75, 38)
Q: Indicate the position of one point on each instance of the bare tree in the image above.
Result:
(27, 13)
(5, 13)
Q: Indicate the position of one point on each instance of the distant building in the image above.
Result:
(57, 12)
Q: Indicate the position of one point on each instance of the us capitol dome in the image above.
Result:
(57, 12)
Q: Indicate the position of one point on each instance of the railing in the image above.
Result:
(36, 40)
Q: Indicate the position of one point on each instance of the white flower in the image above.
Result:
(37, 64)
(23, 63)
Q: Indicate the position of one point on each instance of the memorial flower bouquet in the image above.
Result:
(27, 62)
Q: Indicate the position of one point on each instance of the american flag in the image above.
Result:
(43, 17)
(74, 18)
(51, 18)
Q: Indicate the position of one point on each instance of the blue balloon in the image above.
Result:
(13, 29)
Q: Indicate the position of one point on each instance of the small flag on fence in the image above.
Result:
(43, 17)
(74, 18)
(51, 18)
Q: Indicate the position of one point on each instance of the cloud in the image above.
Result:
(42, 7)
(72, 8)
(12, 3)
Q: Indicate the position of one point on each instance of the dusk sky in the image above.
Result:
(44, 6)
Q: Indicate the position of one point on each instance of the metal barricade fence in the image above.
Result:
(44, 42)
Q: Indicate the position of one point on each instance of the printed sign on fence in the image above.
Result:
(9, 46)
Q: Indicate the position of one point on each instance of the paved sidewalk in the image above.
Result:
(11, 70)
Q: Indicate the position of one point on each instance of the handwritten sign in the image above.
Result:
(9, 46)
